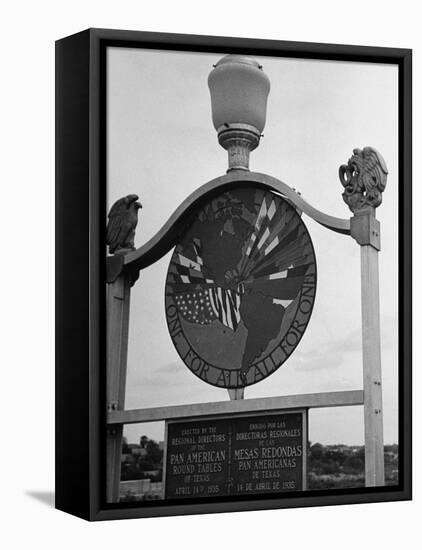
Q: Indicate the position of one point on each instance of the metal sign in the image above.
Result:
(236, 456)
(241, 287)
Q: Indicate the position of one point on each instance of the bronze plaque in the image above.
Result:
(240, 287)
(236, 456)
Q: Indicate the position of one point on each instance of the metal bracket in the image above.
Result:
(114, 266)
(112, 406)
(236, 393)
(112, 431)
(365, 229)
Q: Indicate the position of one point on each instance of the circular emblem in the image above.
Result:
(240, 287)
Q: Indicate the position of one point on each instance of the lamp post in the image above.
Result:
(239, 91)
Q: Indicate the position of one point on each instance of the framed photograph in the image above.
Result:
(233, 274)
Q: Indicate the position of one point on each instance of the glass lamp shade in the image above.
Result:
(239, 90)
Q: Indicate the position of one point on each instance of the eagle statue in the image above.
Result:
(122, 222)
(364, 178)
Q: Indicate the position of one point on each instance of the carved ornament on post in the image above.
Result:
(364, 178)
(120, 238)
(122, 222)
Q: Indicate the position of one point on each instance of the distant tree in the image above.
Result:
(145, 464)
(125, 448)
(330, 467)
(135, 464)
(154, 453)
(354, 464)
(317, 450)
(361, 452)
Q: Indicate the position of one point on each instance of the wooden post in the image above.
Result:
(305, 448)
(364, 178)
(122, 222)
(365, 229)
(372, 383)
(118, 302)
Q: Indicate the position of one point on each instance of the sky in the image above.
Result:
(162, 145)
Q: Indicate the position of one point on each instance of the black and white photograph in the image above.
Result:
(253, 265)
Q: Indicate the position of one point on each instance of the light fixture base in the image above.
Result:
(239, 140)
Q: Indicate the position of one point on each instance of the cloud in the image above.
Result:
(348, 343)
(332, 354)
(318, 360)
(329, 354)
(169, 374)
(168, 368)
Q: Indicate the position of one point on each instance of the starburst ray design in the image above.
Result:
(278, 252)
(275, 260)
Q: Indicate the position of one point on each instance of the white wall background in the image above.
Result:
(27, 275)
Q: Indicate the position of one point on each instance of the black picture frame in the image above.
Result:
(80, 269)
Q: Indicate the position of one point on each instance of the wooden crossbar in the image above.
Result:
(267, 404)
